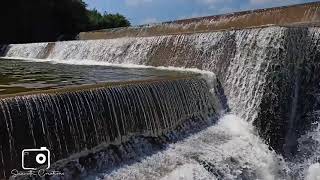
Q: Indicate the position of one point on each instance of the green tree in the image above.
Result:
(49, 20)
(98, 21)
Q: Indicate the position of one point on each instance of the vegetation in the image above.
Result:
(99, 21)
(50, 20)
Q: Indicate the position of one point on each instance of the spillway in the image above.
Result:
(267, 76)
(257, 67)
(71, 121)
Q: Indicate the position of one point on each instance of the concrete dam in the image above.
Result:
(249, 109)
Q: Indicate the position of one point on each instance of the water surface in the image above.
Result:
(22, 76)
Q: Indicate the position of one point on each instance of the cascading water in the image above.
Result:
(72, 121)
(239, 58)
(306, 165)
(28, 50)
(228, 150)
(269, 76)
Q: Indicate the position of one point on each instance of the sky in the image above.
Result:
(153, 11)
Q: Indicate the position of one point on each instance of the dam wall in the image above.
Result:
(238, 58)
(297, 15)
(289, 105)
(268, 74)
(69, 121)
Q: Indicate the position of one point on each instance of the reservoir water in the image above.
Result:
(18, 76)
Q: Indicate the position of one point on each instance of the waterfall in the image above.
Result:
(27, 50)
(240, 58)
(73, 121)
(268, 75)
(228, 150)
(291, 87)
(249, 63)
(306, 163)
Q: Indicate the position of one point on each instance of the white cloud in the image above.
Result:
(212, 2)
(137, 2)
(199, 14)
(225, 10)
(268, 1)
(149, 20)
(208, 1)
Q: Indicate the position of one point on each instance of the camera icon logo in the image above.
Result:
(35, 158)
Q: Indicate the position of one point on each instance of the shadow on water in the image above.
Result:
(3, 50)
(222, 96)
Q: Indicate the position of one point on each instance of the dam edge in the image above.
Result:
(307, 15)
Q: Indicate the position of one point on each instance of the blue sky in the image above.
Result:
(150, 11)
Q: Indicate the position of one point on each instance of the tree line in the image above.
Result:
(26, 21)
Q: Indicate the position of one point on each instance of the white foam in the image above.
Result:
(313, 173)
(189, 172)
(306, 163)
(231, 147)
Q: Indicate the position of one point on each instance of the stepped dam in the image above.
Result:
(241, 102)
